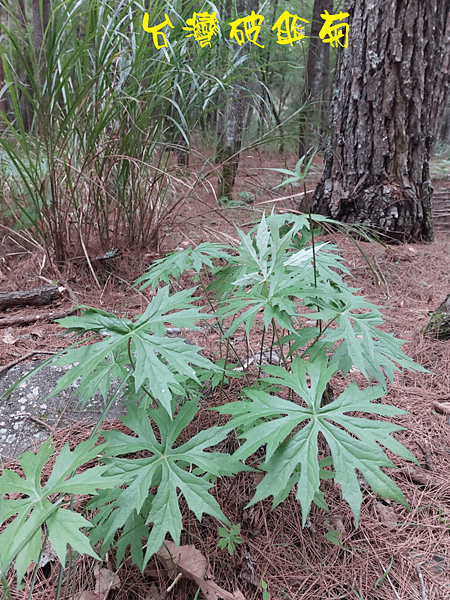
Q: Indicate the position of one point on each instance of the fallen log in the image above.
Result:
(32, 318)
(36, 297)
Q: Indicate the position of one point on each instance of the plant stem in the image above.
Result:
(311, 228)
(35, 570)
(280, 345)
(223, 374)
(6, 592)
(222, 332)
(261, 352)
(321, 332)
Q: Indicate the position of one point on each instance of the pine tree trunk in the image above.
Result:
(390, 89)
(231, 118)
(3, 102)
(26, 108)
(444, 132)
(231, 141)
(316, 96)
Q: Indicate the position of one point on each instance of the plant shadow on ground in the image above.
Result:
(393, 553)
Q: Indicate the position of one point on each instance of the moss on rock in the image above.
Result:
(439, 324)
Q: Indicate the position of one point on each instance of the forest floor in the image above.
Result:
(394, 553)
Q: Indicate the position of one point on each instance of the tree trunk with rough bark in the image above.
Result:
(3, 102)
(26, 108)
(36, 297)
(439, 324)
(231, 117)
(231, 141)
(390, 88)
(316, 98)
(444, 132)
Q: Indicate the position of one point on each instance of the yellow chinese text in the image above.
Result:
(331, 34)
(203, 27)
(155, 30)
(288, 30)
(252, 27)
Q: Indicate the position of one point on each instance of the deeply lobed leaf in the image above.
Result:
(21, 540)
(156, 360)
(168, 468)
(291, 456)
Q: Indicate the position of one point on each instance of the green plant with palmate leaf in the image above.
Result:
(153, 367)
(291, 459)
(22, 538)
(133, 508)
(228, 538)
(271, 274)
(280, 271)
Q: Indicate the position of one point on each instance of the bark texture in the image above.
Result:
(439, 324)
(37, 297)
(3, 103)
(33, 318)
(391, 85)
(232, 117)
(231, 141)
(316, 97)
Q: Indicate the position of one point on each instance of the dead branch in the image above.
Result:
(36, 297)
(21, 359)
(32, 318)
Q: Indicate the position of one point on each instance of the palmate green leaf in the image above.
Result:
(249, 279)
(272, 295)
(132, 534)
(96, 320)
(377, 354)
(261, 256)
(85, 360)
(247, 252)
(18, 540)
(156, 359)
(64, 528)
(173, 265)
(292, 457)
(21, 540)
(262, 237)
(168, 467)
(280, 308)
(356, 340)
(222, 284)
(246, 318)
(216, 376)
(299, 258)
(114, 367)
(164, 515)
(328, 295)
(273, 271)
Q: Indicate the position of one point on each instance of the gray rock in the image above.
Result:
(27, 416)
